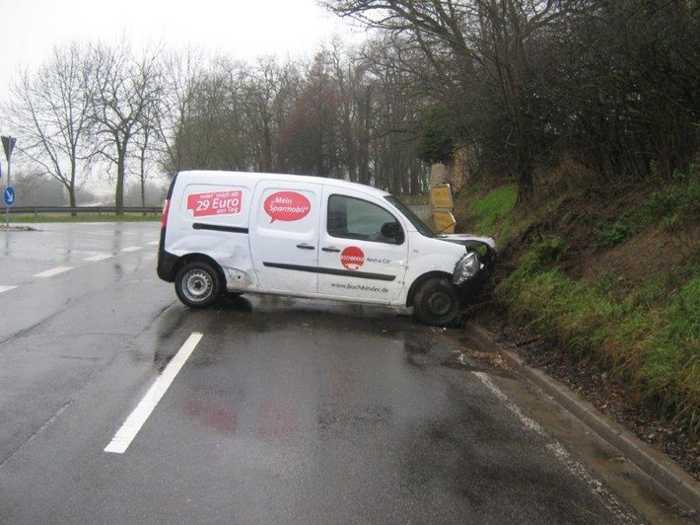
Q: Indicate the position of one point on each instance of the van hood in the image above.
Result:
(465, 239)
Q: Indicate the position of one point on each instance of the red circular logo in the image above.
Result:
(352, 258)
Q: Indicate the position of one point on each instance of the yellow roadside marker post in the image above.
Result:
(442, 205)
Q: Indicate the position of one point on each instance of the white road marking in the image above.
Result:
(131, 249)
(6, 288)
(154, 243)
(53, 271)
(574, 467)
(138, 417)
(99, 257)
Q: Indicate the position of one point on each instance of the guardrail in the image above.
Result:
(99, 210)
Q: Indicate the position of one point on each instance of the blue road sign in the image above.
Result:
(9, 196)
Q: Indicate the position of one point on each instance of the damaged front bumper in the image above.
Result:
(476, 266)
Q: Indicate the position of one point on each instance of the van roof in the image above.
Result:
(211, 175)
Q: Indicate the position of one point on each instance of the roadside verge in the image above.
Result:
(667, 475)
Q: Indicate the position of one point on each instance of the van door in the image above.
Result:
(284, 236)
(364, 249)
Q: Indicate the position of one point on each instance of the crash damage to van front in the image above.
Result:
(476, 265)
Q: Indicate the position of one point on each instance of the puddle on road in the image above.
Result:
(233, 303)
(416, 347)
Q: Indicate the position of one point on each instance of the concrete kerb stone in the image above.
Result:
(666, 474)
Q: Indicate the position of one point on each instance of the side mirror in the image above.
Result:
(393, 231)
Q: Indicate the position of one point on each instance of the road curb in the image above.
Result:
(655, 464)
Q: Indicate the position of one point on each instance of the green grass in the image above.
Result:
(490, 213)
(81, 217)
(673, 207)
(646, 330)
(649, 337)
(493, 207)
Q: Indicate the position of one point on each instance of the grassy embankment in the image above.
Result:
(609, 274)
(81, 217)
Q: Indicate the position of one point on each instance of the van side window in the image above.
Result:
(351, 218)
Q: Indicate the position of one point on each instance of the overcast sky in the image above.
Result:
(242, 28)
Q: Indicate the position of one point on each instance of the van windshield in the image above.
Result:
(422, 228)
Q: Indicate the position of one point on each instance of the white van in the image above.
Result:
(312, 237)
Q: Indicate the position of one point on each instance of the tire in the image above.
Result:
(198, 284)
(437, 303)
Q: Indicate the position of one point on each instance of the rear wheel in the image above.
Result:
(436, 303)
(198, 284)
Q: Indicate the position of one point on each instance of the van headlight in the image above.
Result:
(467, 267)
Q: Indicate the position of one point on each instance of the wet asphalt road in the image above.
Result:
(287, 411)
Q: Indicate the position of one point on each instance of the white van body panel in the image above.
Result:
(269, 234)
(277, 244)
(230, 251)
(383, 264)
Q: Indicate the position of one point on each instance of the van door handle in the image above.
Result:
(304, 246)
(331, 249)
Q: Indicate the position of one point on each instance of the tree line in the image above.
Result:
(522, 84)
(336, 115)
(613, 84)
(86, 104)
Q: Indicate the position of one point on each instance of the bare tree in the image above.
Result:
(181, 73)
(50, 111)
(145, 142)
(259, 89)
(473, 40)
(123, 89)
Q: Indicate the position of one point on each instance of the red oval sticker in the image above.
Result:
(287, 206)
(352, 258)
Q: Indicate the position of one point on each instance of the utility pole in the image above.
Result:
(8, 144)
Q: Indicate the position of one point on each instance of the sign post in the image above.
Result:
(8, 144)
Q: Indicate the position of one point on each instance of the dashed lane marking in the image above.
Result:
(138, 417)
(6, 288)
(154, 243)
(99, 257)
(131, 249)
(53, 271)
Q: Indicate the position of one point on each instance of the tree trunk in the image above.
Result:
(267, 148)
(71, 186)
(143, 194)
(119, 195)
(142, 174)
(526, 185)
(71, 198)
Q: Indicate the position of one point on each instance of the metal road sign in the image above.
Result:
(8, 144)
(9, 196)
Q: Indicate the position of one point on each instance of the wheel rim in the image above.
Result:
(440, 303)
(197, 285)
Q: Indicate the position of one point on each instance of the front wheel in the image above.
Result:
(437, 303)
(197, 284)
